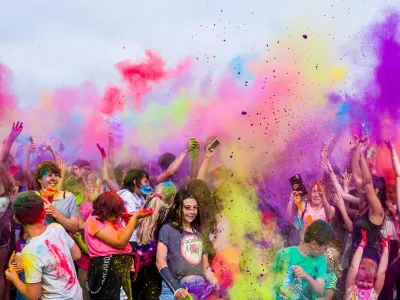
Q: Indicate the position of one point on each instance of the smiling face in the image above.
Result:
(49, 179)
(190, 210)
(364, 280)
(315, 196)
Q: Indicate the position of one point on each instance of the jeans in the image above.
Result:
(19, 295)
(198, 288)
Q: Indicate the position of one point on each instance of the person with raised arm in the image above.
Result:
(338, 188)
(371, 213)
(204, 168)
(7, 144)
(315, 208)
(170, 165)
(365, 279)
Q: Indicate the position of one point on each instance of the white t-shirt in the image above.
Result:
(47, 260)
(132, 204)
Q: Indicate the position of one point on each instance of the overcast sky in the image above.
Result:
(53, 43)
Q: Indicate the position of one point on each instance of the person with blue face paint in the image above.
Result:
(134, 190)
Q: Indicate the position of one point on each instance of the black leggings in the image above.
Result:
(148, 284)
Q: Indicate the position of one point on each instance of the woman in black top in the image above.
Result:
(371, 215)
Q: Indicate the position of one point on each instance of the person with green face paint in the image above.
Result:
(60, 205)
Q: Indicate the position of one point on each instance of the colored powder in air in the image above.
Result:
(7, 98)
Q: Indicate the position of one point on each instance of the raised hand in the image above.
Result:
(16, 130)
(355, 144)
(62, 165)
(326, 165)
(31, 147)
(102, 151)
(324, 151)
(346, 180)
(364, 240)
(385, 242)
(143, 213)
(338, 201)
(210, 153)
(388, 144)
(364, 144)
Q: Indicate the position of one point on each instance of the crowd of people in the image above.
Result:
(130, 231)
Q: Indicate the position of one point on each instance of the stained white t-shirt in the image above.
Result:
(132, 204)
(47, 260)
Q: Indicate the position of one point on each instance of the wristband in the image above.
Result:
(169, 278)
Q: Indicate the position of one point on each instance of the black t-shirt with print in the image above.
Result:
(185, 250)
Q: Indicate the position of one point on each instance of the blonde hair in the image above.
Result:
(334, 258)
(163, 201)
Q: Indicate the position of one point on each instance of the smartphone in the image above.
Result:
(298, 185)
(214, 144)
(31, 139)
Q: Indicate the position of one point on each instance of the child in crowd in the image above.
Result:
(48, 258)
(110, 253)
(365, 279)
(301, 270)
(333, 272)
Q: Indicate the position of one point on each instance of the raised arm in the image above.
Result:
(63, 167)
(52, 151)
(396, 168)
(31, 148)
(338, 188)
(383, 264)
(194, 161)
(355, 164)
(111, 155)
(293, 198)
(174, 166)
(205, 165)
(342, 208)
(106, 179)
(15, 131)
(329, 210)
(355, 263)
(376, 210)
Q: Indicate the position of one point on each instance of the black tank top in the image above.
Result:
(362, 221)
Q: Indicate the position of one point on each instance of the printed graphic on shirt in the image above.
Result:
(191, 248)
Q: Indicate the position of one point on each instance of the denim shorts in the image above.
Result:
(198, 288)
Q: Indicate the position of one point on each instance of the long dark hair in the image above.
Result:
(209, 209)
(176, 216)
(107, 205)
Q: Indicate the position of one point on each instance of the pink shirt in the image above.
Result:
(96, 247)
(85, 209)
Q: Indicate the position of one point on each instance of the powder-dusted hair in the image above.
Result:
(107, 205)
(160, 205)
(368, 266)
(334, 257)
(45, 167)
